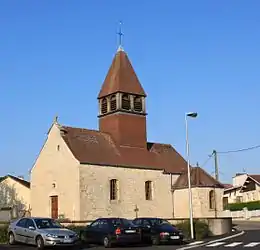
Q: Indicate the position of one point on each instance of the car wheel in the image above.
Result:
(155, 240)
(107, 242)
(11, 239)
(40, 243)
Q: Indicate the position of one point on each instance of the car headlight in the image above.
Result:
(51, 235)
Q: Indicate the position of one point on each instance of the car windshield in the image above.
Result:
(159, 222)
(47, 223)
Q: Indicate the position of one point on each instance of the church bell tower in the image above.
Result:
(121, 100)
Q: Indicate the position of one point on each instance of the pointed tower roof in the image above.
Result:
(121, 77)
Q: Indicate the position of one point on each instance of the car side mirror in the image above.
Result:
(31, 228)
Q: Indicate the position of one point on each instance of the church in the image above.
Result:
(82, 174)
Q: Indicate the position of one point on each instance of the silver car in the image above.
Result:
(40, 232)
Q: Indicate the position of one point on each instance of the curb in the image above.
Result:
(194, 245)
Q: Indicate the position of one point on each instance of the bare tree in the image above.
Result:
(9, 198)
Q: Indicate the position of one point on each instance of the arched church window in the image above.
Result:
(113, 103)
(211, 199)
(113, 189)
(126, 102)
(104, 106)
(138, 106)
(148, 190)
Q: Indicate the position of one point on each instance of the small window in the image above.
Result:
(148, 190)
(225, 203)
(211, 199)
(138, 106)
(126, 102)
(104, 106)
(113, 189)
(58, 147)
(113, 103)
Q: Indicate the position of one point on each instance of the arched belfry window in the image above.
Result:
(126, 102)
(211, 199)
(113, 103)
(138, 106)
(104, 106)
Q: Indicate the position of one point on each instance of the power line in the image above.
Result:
(239, 150)
(206, 161)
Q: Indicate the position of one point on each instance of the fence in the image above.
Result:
(245, 214)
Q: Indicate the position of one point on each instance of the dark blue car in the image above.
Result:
(157, 231)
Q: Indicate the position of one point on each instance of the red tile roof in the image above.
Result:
(226, 186)
(121, 77)
(199, 178)
(97, 148)
(255, 177)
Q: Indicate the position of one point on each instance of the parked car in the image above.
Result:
(110, 231)
(156, 231)
(40, 232)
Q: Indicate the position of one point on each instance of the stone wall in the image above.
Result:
(200, 202)
(95, 189)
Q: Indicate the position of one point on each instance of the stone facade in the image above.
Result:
(56, 172)
(83, 190)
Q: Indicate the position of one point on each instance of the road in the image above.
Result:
(250, 239)
(164, 247)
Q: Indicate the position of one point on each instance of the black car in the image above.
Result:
(110, 231)
(158, 231)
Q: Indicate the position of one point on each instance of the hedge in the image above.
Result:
(3, 233)
(252, 205)
(201, 229)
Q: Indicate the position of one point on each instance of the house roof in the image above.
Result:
(98, 148)
(121, 77)
(227, 186)
(199, 178)
(255, 177)
(19, 180)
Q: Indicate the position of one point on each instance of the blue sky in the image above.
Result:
(198, 56)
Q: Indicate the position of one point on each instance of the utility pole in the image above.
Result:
(216, 165)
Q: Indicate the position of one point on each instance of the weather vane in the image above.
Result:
(120, 34)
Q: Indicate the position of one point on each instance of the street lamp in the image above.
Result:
(192, 115)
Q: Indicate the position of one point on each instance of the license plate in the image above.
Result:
(67, 241)
(130, 231)
(175, 237)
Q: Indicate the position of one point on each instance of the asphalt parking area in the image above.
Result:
(161, 247)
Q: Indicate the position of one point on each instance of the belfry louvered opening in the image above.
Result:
(126, 102)
(138, 106)
(113, 103)
(104, 106)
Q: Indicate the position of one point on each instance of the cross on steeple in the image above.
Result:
(120, 34)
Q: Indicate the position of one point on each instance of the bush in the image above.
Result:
(253, 205)
(3, 233)
(201, 229)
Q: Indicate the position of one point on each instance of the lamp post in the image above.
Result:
(187, 115)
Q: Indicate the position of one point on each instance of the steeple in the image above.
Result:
(122, 103)
(121, 77)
